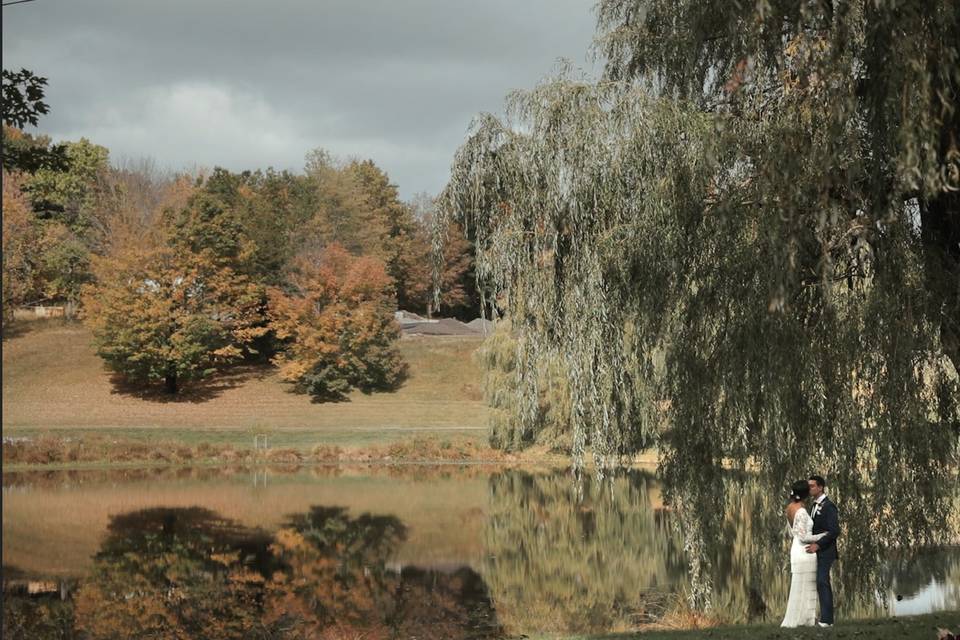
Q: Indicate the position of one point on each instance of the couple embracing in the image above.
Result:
(812, 553)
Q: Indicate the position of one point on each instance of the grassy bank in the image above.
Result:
(95, 449)
(54, 382)
(62, 408)
(905, 628)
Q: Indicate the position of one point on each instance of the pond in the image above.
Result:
(384, 552)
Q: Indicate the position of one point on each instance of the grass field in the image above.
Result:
(53, 383)
(906, 628)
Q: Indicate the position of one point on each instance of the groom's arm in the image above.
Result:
(832, 527)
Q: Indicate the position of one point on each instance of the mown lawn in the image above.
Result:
(54, 383)
(906, 628)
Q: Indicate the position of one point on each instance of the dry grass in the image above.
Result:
(58, 396)
(53, 381)
(98, 449)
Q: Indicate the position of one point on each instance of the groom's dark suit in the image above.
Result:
(826, 519)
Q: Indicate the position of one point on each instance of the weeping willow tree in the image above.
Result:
(744, 244)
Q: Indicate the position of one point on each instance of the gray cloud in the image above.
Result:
(247, 85)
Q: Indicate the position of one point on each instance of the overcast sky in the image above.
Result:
(248, 85)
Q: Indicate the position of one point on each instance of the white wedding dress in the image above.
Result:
(802, 605)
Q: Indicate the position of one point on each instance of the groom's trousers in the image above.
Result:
(824, 590)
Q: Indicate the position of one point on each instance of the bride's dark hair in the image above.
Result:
(800, 490)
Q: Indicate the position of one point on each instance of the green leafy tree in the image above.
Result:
(23, 104)
(272, 208)
(28, 153)
(502, 388)
(62, 264)
(23, 93)
(556, 564)
(73, 195)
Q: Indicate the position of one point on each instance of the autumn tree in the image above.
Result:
(342, 214)
(399, 246)
(20, 246)
(69, 212)
(333, 581)
(137, 191)
(359, 208)
(336, 326)
(180, 309)
(453, 276)
(61, 183)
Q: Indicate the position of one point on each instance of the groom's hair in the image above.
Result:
(819, 480)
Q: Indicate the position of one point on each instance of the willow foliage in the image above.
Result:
(549, 427)
(744, 243)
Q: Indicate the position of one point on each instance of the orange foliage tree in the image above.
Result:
(19, 244)
(336, 326)
(178, 310)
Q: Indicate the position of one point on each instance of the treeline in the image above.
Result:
(179, 275)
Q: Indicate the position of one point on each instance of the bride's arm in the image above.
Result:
(800, 521)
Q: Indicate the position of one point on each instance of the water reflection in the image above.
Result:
(523, 553)
(617, 559)
(608, 562)
(190, 573)
(333, 580)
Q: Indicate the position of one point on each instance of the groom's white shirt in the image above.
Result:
(817, 503)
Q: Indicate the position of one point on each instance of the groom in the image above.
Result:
(825, 519)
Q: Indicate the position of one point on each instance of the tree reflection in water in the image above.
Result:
(189, 573)
(333, 580)
(616, 559)
(745, 550)
(175, 573)
(607, 562)
(609, 557)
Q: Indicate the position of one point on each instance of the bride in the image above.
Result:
(802, 605)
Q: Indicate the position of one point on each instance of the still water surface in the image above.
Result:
(412, 551)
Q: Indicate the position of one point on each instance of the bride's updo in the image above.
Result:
(800, 491)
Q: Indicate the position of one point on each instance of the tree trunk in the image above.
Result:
(940, 218)
(171, 383)
(940, 232)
